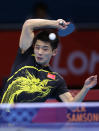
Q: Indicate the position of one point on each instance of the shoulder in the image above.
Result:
(28, 52)
(61, 83)
(57, 74)
(59, 78)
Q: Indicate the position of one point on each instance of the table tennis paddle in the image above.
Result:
(68, 30)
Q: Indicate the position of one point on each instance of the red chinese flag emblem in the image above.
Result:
(51, 76)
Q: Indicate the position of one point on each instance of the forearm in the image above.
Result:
(41, 23)
(81, 95)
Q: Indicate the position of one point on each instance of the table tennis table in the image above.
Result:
(82, 116)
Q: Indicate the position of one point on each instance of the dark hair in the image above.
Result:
(44, 36)
(40, 5)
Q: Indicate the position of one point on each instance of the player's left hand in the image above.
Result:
(90, 82)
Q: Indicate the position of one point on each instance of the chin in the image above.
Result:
(41, 63)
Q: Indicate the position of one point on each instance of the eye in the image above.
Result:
(37, 47)
(45, 49)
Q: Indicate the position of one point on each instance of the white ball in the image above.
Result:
(52, 36)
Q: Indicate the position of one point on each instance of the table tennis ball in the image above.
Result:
(52, 36)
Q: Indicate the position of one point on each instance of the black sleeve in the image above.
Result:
(20, 58)
(60, 89)
(26, 53)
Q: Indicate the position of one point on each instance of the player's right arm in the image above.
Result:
(30, 25)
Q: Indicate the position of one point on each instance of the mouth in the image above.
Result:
(39, 58)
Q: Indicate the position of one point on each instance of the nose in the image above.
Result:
(40, 51)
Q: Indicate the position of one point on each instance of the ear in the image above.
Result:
(54, 52)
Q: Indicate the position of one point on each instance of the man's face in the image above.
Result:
(43, 52)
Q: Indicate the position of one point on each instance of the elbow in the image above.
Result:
(26, 23)
(71, 100)
(68, 100)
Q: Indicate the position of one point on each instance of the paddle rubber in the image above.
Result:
(64, 32)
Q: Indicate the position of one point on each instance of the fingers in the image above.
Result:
(93, 77)
(91, 82)
(62, 23)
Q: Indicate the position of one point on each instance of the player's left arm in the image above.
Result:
(89, 83)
